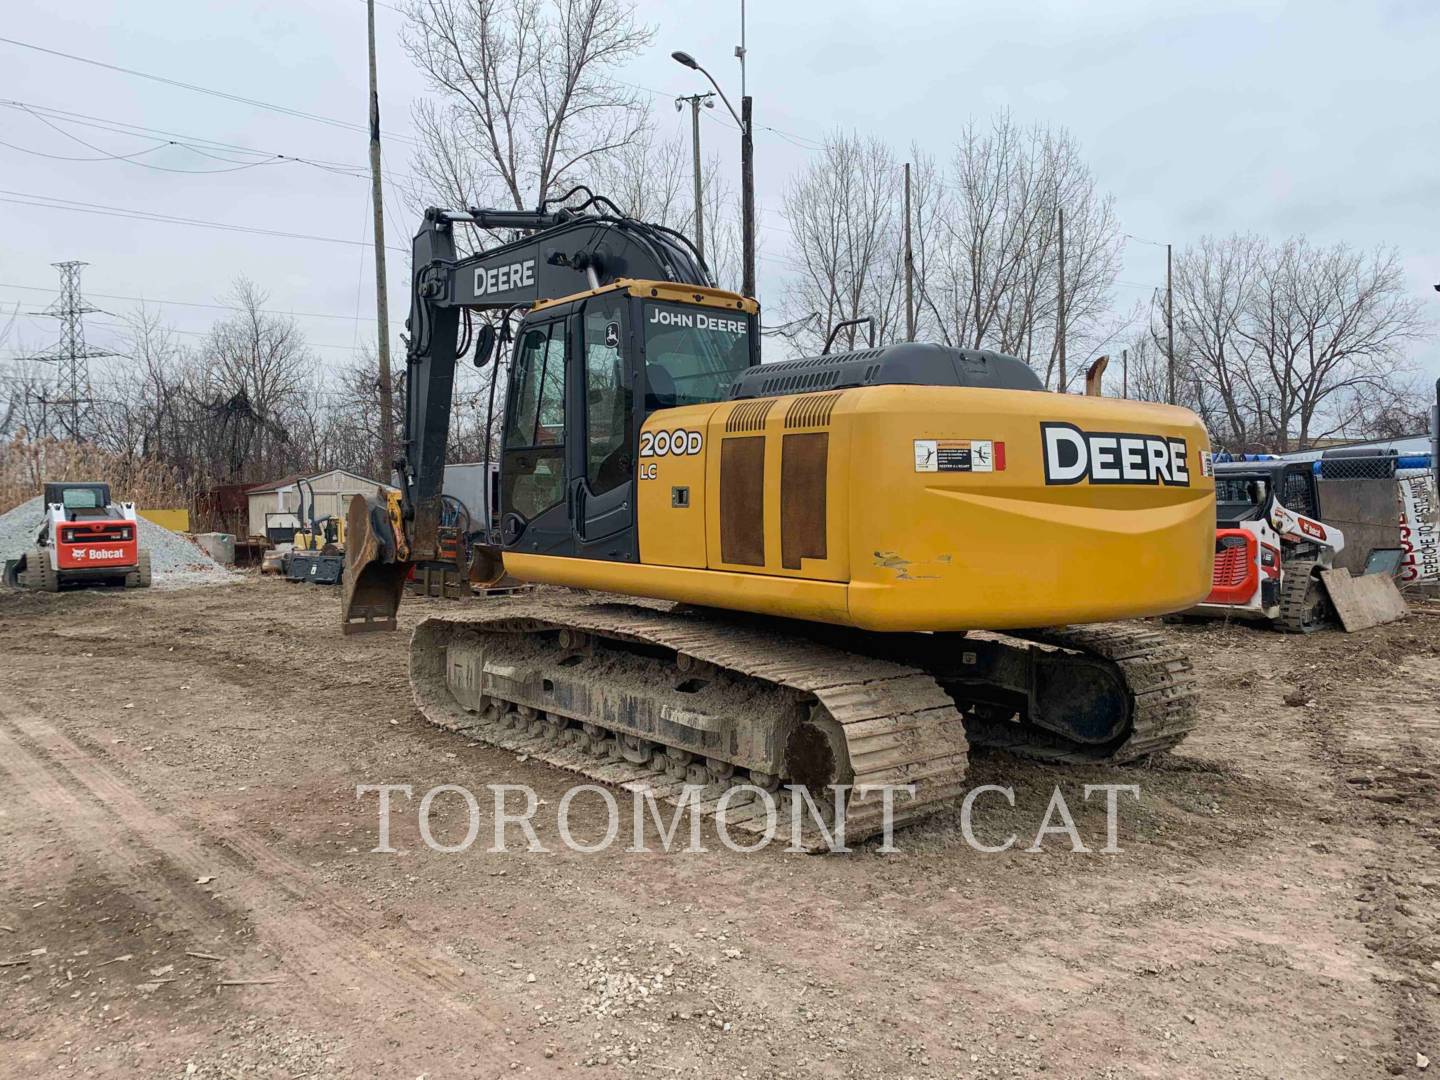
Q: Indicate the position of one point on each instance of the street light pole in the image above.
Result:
(747, 195)
(695, 101)
(747, 170)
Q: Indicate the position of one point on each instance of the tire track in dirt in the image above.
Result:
(1382, 758)
(90, 826)
(327, 954)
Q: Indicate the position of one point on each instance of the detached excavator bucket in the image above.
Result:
(487, 566)
(374, 571)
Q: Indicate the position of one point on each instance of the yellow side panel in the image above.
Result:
(921, 529)
(773, 420)
(793, 598)
(174, 520)
(671, 534)
(1003, 548)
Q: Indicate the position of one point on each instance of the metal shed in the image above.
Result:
(274, 507)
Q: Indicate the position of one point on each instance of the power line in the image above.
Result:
(283, 110)
(22, 198)
(177, 330)
(195, 143)
(235, 166)
(196, 303)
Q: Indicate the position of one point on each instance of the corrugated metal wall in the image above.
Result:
(333, 491)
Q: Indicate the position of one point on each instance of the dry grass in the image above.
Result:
(25, 466)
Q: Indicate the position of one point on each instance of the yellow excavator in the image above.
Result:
(836, 570)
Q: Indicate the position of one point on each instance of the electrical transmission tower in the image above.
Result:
(72, 398)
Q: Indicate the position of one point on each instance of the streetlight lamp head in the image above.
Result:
(686, 59)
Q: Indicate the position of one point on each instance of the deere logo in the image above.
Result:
(1112, 457)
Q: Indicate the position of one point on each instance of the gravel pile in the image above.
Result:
(175, 562)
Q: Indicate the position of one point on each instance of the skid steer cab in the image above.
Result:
(84, 539)
(1270, 546)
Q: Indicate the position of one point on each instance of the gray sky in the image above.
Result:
(1198, 115)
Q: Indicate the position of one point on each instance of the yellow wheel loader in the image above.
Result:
(837, 571)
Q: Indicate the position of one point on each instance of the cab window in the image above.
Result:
(609, 431)
(693, 354)
(538, 411)
(534, 473)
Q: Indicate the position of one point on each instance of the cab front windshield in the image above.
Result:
(1239, 498)
(693, 355)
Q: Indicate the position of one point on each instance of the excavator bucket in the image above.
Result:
(487, 566)
(375, 568)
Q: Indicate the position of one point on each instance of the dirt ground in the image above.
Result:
(189, 886)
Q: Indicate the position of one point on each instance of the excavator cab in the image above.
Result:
(620, 318)
(587, 373)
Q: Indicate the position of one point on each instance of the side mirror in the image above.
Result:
(484, 344)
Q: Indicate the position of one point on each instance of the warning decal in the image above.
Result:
(956, 455)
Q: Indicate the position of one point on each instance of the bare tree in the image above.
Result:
(987, 244)
(844, 217)
(1328, 324)
(650, 178)
(527, 101)
(1295, 343)
(345, 405)
(249, 390)
(22, 388)
(1398, 410)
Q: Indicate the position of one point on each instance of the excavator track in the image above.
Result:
(651, 698)
(654, 700)
(1158, 682)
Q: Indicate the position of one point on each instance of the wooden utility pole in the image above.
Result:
(1124, 373)
(1060, 310)
(1169, 330)
(382, 312)
(909, 266)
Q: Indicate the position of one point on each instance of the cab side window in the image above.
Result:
(534, 475)
(1296, 492)
(538, 411)
(609, 400)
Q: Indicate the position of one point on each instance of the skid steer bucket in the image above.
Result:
(375, 568)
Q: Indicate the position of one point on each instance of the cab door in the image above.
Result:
(602, 455)
(534, 508)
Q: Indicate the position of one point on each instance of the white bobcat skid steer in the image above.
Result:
(1270, 546)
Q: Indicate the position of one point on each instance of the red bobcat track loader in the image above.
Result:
(85, 539)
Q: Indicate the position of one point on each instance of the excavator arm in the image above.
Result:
(559, 253)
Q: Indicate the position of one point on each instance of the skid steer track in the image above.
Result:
(651, 699)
